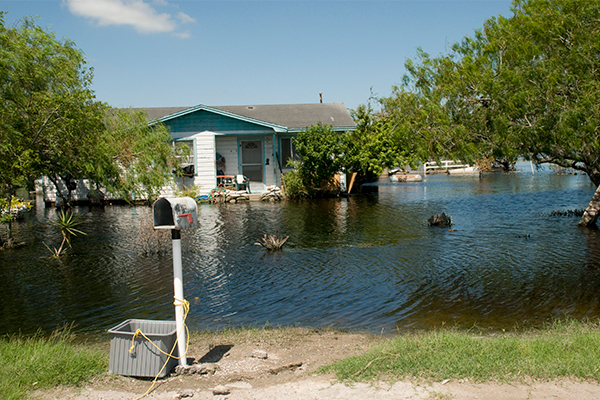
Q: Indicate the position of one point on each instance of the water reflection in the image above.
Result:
(367, 262)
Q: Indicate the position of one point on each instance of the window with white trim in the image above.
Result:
(186, 156)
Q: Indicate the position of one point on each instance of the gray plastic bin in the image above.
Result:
(145, 360)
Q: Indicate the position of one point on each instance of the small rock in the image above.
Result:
(261, 354)
(211, 368)
(195, 369)
(185, 393)
(221, 390)
(289, 367)
(183, 370)
(198, 369)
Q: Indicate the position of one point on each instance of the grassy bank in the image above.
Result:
(564, 349)
(29, 363)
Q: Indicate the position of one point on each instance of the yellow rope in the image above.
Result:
(186, 309)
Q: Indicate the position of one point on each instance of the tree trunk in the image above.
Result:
(9, 235)
(58, 191)
(590, 216)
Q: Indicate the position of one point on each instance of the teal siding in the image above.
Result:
(201, 120)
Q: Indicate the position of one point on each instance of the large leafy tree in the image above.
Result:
(52, 125)
(321, 150)
(528, 85)
(370, 148)
(50, 121)
(139, 157)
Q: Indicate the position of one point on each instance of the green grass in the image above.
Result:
(563, 349)
(29, 363)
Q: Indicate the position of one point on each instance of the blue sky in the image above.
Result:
(159, 53)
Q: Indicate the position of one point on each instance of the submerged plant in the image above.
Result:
(66, 223)
(272, 242)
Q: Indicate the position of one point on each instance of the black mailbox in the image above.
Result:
(175, 213)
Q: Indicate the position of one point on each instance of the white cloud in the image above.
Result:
(142, 16)
(184, 18)
(182, 35)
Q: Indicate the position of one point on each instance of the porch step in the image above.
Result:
(254, 196)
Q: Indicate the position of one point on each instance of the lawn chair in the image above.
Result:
(242, 183)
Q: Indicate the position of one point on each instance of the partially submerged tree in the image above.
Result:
(49, 117)
(522, 86)
(321, 150)
(52, 125)
(371, 148)
(141, 157)
(324, 153)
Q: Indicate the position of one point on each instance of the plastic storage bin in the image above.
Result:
(145, 360)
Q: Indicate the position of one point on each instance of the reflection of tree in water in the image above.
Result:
(592, 237)
(148, 240)
(314, 223)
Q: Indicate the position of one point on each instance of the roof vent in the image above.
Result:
(250, 108)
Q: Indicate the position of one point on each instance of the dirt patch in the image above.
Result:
(282, 364)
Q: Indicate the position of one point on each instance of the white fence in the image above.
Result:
(446, 166)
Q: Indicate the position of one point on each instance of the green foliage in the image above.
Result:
(38, 362)
(49, 118)
(321, 150)
(372, 147)
(7, 212)
(142, 158)
(51, 124)
(294, 185)
(66, 223)
(190, 191)
(564, 349)
(521, 86)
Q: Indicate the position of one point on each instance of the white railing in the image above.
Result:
(445, 166)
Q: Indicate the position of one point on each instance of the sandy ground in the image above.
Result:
(289, 372)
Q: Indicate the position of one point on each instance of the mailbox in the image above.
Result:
(175, 213)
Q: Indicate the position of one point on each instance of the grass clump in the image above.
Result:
(30, 363)
(562, 349)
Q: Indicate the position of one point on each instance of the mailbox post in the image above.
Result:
(177, 214)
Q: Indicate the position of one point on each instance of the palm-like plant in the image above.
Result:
(272, 242)
(66, 223)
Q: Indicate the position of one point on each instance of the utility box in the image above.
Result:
(145, 360)
(175, 213)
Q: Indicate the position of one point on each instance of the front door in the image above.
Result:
(252, 161)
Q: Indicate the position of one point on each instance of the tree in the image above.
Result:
(140, 158)
(527, 86)
(321, 150)
(52, 125)
(45, 105)
(370, 148)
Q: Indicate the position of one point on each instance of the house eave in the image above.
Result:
(202, 107)
(335, 128)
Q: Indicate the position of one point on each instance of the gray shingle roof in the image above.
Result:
(292, 116)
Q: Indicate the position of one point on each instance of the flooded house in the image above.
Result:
(252, 141)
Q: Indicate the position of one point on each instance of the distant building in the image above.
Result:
(254, 141)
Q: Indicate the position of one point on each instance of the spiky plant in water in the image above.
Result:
(66, 223)
(272, 242)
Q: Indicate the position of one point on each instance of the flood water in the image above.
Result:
(368, 263)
